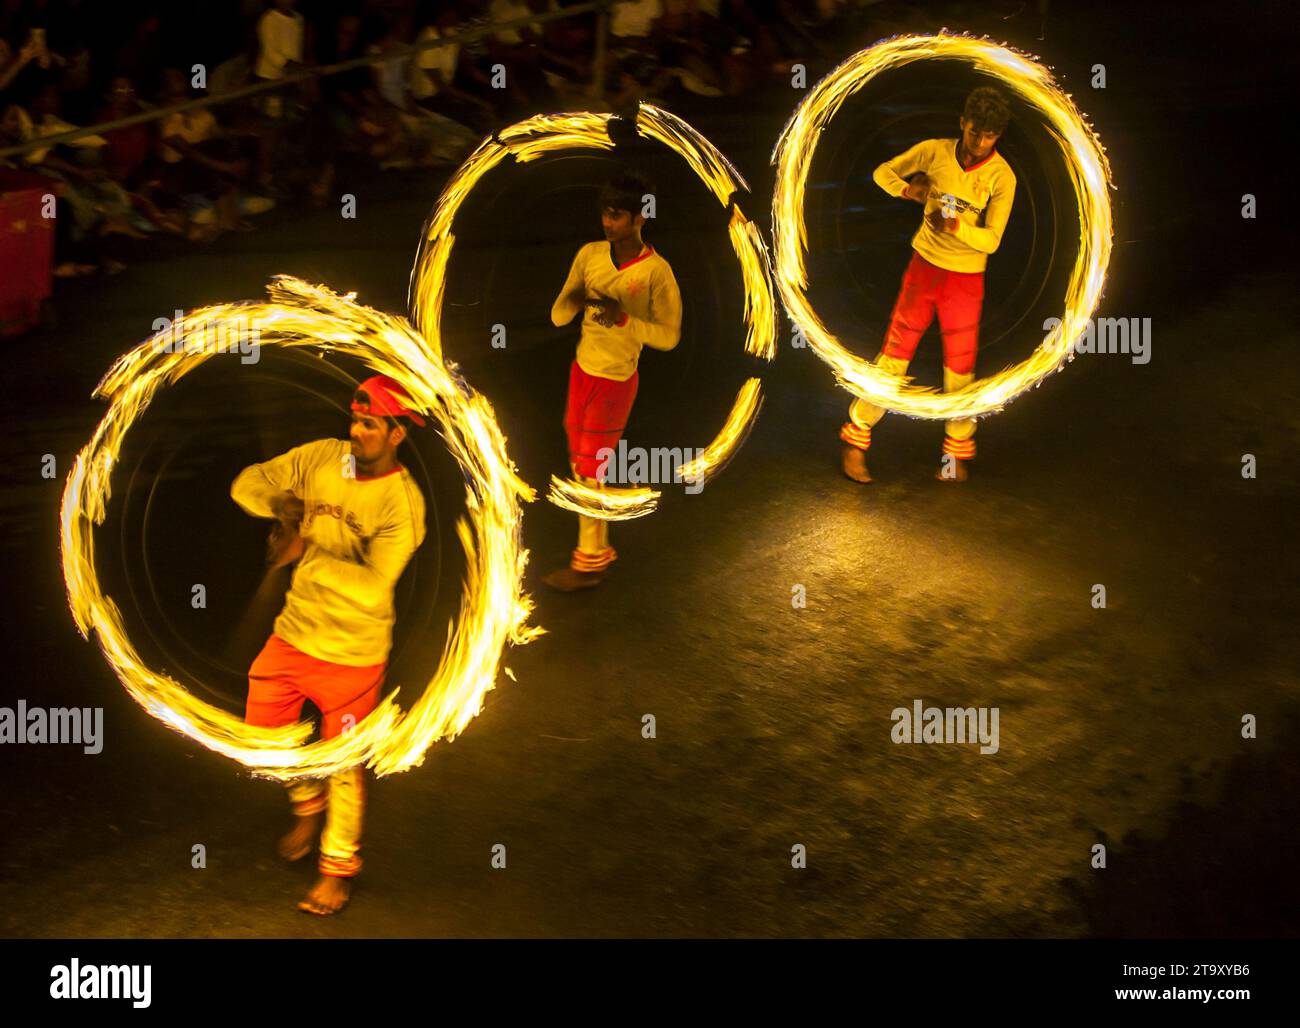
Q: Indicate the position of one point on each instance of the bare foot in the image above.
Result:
(296, 843)
(328, 896)
(566, 580)
(952, 471)
(855, 463)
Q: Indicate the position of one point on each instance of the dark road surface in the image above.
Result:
(1119, 726)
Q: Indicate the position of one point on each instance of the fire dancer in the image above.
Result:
(631, 300)
(351, 516)
(967, 189)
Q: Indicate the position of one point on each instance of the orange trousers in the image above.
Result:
(281, 678)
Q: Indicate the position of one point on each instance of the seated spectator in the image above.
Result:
(202, 167)
(635, 70)
(128, 149)
(632, 23)
(475, 60)
(280, 35)
(130, 158)
(435, 78)
(516, 49)
(89, 205)
(143, 54)
(565, 69)
(404, 133)
(334, 122)
(242, 120)
(72, 256)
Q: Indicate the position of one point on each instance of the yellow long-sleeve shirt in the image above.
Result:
(359, 534)
(983, 194)
(646, 290)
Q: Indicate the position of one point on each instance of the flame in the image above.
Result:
(550, 133)
(741, 419)
(494, 609)
(1089, 174)
(614, 504)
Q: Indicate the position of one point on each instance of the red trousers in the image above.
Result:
(595, 416)
(956, 296)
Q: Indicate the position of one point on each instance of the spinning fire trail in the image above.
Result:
(494, 609)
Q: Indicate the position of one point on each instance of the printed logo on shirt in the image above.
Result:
(336, 511)
(948, 200)
(635, 287)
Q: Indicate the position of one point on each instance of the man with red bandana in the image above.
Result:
(350, 516)
(967, 189)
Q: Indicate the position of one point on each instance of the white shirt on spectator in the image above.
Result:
(394, 75)
(279, 38)
(51, 126)
(193, 126)
(433, 67)
(635, 17)
(509, 10)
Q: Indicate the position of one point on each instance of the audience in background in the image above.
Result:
(201, 171)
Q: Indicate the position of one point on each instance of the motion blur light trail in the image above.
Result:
(1089, 173)
(494, 609)
(613, 504)
(549, 133)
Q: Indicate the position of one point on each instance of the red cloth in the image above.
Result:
(956, 295)
(595, 416)
(128, 148)
(384, 396)
(282, 676)
(26, 249)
